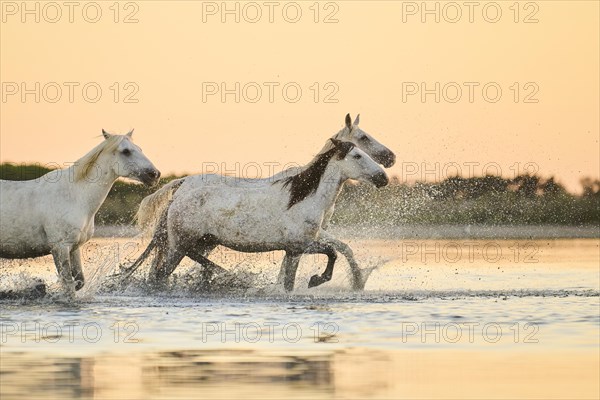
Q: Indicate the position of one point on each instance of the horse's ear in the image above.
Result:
(105, 134)
(130, 133)
(348, 121)
(357, 119)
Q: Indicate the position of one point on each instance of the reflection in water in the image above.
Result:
(243, 369)
(357, 373)
(23, 376)
(165, 374)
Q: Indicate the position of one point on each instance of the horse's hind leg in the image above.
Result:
(171, 262)
(200, 250)
(163, 266)
(76, 270)
(199, 254)
(61, 255)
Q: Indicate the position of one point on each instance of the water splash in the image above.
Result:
(22, 286)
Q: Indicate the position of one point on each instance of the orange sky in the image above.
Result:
(369, 55)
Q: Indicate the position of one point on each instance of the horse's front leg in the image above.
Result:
(62, 260)
(76, 270)
(358, 283)
(329, 251)
(287, 273)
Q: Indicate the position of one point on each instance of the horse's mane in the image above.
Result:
(306, 182)
(84, 165)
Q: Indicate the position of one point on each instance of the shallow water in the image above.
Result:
(438, 318)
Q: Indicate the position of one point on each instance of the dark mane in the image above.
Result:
(305, 183)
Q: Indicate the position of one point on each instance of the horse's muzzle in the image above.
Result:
(388, 159)
(150, 177)
(380, 179)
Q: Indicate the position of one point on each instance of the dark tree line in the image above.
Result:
(591, 187)
(526, 199)
(529, 186)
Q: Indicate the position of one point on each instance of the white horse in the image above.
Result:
(281, 214)
(54, 214)
(155, 205)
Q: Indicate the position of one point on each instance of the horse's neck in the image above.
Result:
(332, 181)
(328, 191)
(93, 190)
(325, 148)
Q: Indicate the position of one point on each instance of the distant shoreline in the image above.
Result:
(425, 232)
(471, 232)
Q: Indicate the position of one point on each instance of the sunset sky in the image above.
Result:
(371, 58)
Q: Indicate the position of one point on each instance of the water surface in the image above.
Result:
(438, 319)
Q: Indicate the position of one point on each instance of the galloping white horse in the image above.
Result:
(155, 205)
(281, 214)
(54, 214)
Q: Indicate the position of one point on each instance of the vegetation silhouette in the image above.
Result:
(486, 200)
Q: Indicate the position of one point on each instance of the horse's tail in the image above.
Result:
(152, 218)
(153, 206)
(158, 242)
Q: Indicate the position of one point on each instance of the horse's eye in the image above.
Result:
(126, 152)
(357, 156)
(364, 138)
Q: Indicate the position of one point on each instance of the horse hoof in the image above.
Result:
(359, 283)
(315, 280)
(359, 279)
(39, 290)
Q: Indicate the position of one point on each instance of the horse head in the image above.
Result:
(129, 161)
(367, 143)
